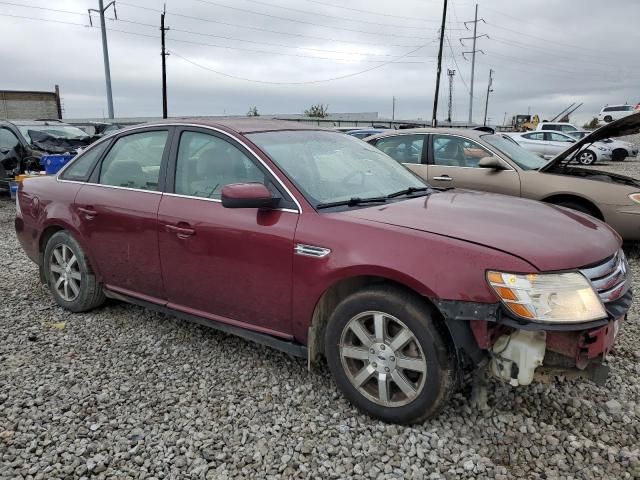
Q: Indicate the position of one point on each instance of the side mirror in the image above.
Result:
(491, 162)
(247, 195)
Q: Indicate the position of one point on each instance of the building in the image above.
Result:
(28, 105)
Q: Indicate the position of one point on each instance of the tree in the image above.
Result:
(592, 125)
(317, 111)
(253, 112)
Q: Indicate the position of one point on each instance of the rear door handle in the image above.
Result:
(443, 178)
(181, 232)
(88, 211)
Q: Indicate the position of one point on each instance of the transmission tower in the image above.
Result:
(450, 73)
(473, 56)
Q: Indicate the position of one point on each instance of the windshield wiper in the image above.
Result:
(352, 202)
(408, 191)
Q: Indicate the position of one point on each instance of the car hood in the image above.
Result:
(628, 125)
(547, 236)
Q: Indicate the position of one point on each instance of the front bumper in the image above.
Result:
(519, 351)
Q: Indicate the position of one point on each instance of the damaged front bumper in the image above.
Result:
(520, 353)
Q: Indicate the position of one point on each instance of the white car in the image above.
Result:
(557, 126)
(551, 143)
(614, 112)
(619, 149)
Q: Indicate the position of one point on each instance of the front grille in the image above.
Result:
(610, 278)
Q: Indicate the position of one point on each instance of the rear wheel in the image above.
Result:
(388, 356)
(587, 157)
(71, 281)
(608, 118)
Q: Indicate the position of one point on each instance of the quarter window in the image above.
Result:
(455, 151)
(8, 139)
(555, 137)
(134, 161)
(206, 163)
(403, 148)
(81, 168)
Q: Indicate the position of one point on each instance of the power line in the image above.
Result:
(236, 39)
(43, 8)
(235, 77)
(456, 62)
(266, 30)
(370, 12)
(304, 22)
(306, 12)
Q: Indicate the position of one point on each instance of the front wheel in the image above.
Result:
(608, 118)
(388, 356)
(71, 281)
(587, 157)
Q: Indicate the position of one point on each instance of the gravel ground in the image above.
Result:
(125, 393)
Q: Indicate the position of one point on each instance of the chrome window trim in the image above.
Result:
(215, 200)
(90, 147)
(157, 192)
(192, 125)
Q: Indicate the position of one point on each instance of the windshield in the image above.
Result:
(332, 167)
(64, 131)
(578, 135)
(523, 158)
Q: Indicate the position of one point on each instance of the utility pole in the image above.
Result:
(434, 122)
(393, 110)
(164, 54)
(489, 90)
(105, 49)
(451, 73)
(473, 57)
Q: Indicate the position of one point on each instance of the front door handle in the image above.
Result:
(89, 212)
(181, 232)
(443, 178)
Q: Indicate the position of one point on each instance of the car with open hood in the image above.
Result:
(316, 243)
(488, 162)
(23, 142)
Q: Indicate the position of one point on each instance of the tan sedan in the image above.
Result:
(489, 162)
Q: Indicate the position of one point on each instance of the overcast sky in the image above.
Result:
(545, 54)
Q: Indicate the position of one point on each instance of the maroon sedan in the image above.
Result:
(316, 243)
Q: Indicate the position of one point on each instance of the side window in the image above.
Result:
(81, 167)
(206, 163)
(455, 151)
(403, 148)
(134, 161)
(555, 137)
(7, 139)
(534, 136)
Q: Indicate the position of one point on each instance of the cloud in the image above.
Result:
(544, 58)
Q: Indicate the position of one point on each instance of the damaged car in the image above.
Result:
(23, 142)
(318, 244)
(489, 162)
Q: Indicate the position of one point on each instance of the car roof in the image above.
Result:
(442, 131)
(242, 125)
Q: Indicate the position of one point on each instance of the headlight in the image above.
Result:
(635, 197)
(548, 297)
(603, 149)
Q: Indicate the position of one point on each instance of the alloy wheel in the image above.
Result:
(383, 359)
(586, 158)
(65, 272)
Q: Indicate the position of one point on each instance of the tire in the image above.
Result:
(424, 366)
(619, 155)
(71, 281)
(577, 206)
(608, 118)
(587, 157)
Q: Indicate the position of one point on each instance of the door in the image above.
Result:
(406, 149)
(229, 265)
(534, 142)
(556, 142)
(454, 162)
(117, 212)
